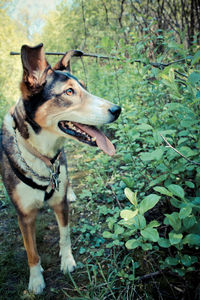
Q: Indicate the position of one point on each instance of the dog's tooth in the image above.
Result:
(70, 125)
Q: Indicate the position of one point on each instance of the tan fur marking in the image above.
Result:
(24, 90)
(42, 113)
(61, 211)
(12, 109)
(27, 227)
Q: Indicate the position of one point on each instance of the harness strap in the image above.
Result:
(49, 162)
(54, 171)
(25, 179)
(53, 166)
(31, 183)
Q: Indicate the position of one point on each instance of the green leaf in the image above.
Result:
(195, 58)
(116, 242)
(107, 234)
(147, 246)
(162, 190)
(174, 220)
(139, 222)
(158, 180)
(198, 94)
(127, 214)
(82, 250)
(175, 238)
(176, 190)
(132, 197)
(164, 243)
(192, 239)
(187, 151)
(118, 230)
(190, 184)
(132, 244)
(172, 261)
(144, 126)
(176, 203)
(186, 260)
(153, 224)
(185, 212)
(189, 222)
(194, 77)
(154, 155)
(180, 272)
(150, 234)
(148, 203)
(111, 222)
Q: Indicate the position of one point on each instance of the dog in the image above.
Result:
(53, 106)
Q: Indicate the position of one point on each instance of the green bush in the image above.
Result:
(157, 102)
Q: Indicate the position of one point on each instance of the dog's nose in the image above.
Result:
(115, 110)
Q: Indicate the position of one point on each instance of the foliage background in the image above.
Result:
(138, 234)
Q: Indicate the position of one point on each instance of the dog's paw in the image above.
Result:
(36, 280)
(71, 197)
(68, 264)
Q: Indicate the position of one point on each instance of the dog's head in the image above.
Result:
(57, 101)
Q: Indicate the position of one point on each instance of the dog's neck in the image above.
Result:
(46, 142)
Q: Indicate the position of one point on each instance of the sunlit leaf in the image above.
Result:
(148, 203)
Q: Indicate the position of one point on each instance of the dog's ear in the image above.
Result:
(35, 66)
(83, 84)
(64, 63)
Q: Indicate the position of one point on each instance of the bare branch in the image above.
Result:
(121, 13)
(160, 66)
(84, 23)
(170, 146)
(151, 275)
(106, 11)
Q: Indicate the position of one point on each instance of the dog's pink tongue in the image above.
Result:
(102, 141)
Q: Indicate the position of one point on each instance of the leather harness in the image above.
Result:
(54, 170)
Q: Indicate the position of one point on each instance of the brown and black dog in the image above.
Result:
(53, 105)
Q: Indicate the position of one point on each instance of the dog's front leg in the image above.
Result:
(68, 263)
(27, 227)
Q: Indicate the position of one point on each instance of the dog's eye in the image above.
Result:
(69, 92)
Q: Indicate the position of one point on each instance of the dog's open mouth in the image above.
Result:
(88, 134)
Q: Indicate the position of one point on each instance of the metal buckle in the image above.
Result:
(54, 175)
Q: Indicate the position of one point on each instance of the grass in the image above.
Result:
(102, 272)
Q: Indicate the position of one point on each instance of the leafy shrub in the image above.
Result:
(164, 218)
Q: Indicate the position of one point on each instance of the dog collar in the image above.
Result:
(53, 165)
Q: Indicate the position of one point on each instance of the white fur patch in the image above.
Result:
(29, 198)
(71, 197)
(36, 280)
(68, 263)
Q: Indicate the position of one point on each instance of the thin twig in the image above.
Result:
(170, 146)
(85, 73)
(160, 66)
(147, 276)
(84, 23)
(119, 204)
(83, 54)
